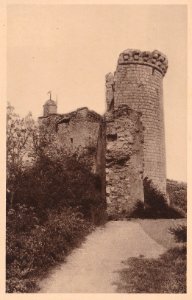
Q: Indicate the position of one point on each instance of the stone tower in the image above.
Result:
(138, 83)
(50, 107)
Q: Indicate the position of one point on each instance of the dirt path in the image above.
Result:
(92, 268)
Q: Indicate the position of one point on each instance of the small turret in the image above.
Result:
(50, 107)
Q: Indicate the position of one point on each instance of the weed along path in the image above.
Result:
(93, 268)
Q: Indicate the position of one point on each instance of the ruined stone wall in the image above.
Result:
(138, 83)
(124, 160)
(78, 132)
(50, 121)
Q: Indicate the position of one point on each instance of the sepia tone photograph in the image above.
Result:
(96, 149)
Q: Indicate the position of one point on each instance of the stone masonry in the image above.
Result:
(127, 144)
(137, 82)
(124, 160)
(77, 132)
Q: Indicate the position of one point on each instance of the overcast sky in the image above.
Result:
(69, 49)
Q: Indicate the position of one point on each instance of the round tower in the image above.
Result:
(138, 82)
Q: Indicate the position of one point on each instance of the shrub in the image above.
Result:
(43, 174)
(177, 192)
(180, 233)
(52, 183)
(33, 249)
(53, 199)
(156, 203)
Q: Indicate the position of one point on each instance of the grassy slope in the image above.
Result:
(167, 274)
(159, 230)
(177, 192)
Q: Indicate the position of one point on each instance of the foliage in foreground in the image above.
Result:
(32, 248)
(49, 210)
(42, 174)
(166, 274)
(60, 183)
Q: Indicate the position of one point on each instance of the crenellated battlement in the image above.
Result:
(138, 83)
(154, 59)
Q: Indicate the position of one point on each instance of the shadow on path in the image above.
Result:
(92, 268)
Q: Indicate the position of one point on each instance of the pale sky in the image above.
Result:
(69, 49)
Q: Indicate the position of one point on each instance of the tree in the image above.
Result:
(43, 174)
(19, 145)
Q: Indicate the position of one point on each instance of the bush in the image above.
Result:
(53, 200)
(67, 182)
(156, 203)
(32, 249)
(177, 192)
(180, 233)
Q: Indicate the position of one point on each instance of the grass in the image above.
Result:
(158, 230)
(177, 192)
(166, 274)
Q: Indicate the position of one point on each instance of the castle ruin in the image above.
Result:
(129, 140)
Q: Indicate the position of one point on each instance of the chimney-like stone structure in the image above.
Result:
(138, 83)
(49, 108)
